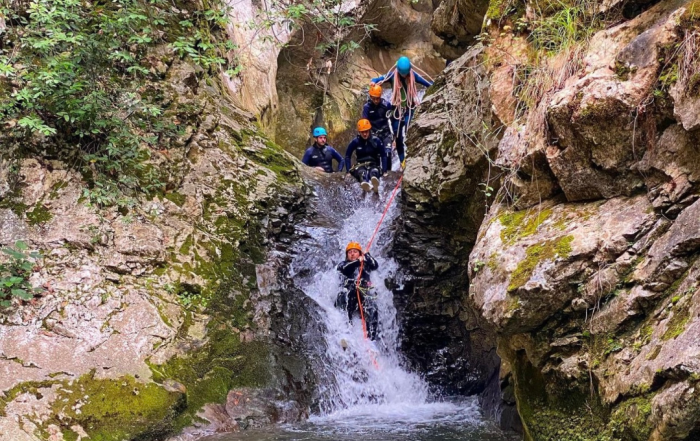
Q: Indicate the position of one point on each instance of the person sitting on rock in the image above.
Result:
(355, 273)
(404, 99)
(370, 154)
(378, 111)
(320, 155)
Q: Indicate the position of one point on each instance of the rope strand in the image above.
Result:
(362, 266)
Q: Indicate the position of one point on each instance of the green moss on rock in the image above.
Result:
(107, 409)
(535, 254)
(31, 387)
(520, 224)
(677, 323)
(113, 410)
(39, 215)
(211, 371)
(176, 198)
(499, 9)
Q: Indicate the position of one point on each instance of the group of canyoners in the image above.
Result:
(383, 126)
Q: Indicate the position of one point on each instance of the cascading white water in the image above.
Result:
(359, 378)
(356, 399)
(356, 382)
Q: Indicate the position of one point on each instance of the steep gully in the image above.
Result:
(356, 393)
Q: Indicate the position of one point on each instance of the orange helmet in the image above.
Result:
(353, 246)
(375, 90)
(363, 125)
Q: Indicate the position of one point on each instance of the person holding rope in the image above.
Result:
(320, 155)
(357, 287)
(370, 154)
(378, 111)
(404, 99)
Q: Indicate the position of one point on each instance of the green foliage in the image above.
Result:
(337, 26)
(560, 24)
(14, 274)
(77, 80)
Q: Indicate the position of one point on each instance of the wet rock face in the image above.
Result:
(442, 206)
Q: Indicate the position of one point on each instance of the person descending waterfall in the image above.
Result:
(404, 99)
(320, 155)
(370, 154)
(358, 265)
(378, 111)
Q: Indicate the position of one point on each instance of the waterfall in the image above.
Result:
(355, 385)
(357, 378)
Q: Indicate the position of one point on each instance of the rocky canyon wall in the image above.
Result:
(169, 311)
(585, 264)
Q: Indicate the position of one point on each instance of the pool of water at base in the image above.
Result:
(438, 421)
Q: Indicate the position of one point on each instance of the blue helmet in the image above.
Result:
(403, 65)
(320, 131)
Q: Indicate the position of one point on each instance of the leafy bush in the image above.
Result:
(77, 80)
(14, 274)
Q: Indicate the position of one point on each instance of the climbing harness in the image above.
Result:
(361, 164)
(362, 265)
(409, 93)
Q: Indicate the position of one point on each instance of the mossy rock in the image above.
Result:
(520, 224)
(107, 409)
(113, 410)
(39, 215)
(537, 253)
(211, 371)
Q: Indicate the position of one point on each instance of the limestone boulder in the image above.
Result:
(523, 265)
(669, 256)
(594, 120)
(672, 169)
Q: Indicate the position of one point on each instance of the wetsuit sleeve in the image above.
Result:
(347, 265)
(370, 263)
(307, 157)
(338, 158)
(348, 154)
(421, 80)
(378, 79)
(365, 111)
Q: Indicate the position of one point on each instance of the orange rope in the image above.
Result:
(362, 266)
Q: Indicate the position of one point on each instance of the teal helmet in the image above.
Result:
(403, 65)
(320, 131)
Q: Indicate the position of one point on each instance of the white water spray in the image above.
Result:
(356, 382)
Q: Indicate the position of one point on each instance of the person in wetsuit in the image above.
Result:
(404, 99)
(320, 155)
(378, 111)
(347, 298)
(370, 154)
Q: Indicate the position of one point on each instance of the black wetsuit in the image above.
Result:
(317, 156)
(378, 115)
(371, 158)
(347, 298)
